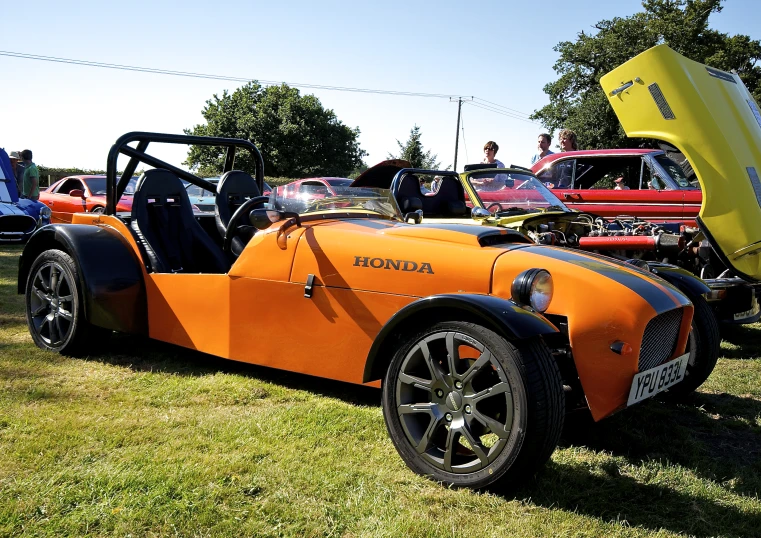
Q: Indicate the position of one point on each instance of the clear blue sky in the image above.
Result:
(498, 51)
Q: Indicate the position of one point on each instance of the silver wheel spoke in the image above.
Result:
(65, 299)
(433, 367)
(499, 388)
(60, 331)
(449, 449)
(407, 409)
(41, 295)
(482, 361)
(475, 445)
(54, 280)
(45, 284)
(416, 382)
(65, 314)
(40, 309)
(425, 440)
(453, 353)
(496, 427)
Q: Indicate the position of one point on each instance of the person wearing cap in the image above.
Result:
(619, 181)
(17, 165)
(31, 178)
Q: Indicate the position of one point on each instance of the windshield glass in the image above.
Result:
(318, 199)
(97, 185)
(676, 172)
(513, 192)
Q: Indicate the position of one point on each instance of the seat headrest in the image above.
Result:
(238, 182)
(159, 185)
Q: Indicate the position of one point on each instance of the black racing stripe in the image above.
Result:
(470, 229)
(640, 284)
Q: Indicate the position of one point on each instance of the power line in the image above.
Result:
(497, 111)
(502, 107)
(482, 103)
(121, 67)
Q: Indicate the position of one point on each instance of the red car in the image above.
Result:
(653, 187)
(77, 194)
(295, 194)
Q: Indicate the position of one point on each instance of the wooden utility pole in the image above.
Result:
(457, 132)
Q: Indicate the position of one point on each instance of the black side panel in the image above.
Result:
(500, 315)
(109, 271)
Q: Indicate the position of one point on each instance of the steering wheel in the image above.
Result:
(233, 226)
(497, 204)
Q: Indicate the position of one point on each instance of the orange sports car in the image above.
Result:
(76, 194)
(480, 339)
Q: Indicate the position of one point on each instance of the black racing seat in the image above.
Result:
(234, 188)
(170, 238)
(450, 198)
(408, 195)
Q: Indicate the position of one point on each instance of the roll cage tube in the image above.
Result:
(404, 171)
(115, 190)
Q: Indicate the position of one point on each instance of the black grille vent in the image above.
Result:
(660, 338)
(660, 100)
(17, 224)
(723, 75)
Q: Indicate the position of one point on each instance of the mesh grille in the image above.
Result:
(660, 339)
(660, 100)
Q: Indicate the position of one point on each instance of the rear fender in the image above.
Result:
(499, 315)
(110, 274)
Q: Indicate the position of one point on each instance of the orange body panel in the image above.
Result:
(366, 270)
(605, 375)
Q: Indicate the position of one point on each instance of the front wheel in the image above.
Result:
(466, 407)
(703, 347)
(54, 305)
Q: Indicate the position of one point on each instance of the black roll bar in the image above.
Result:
(404, 171)
(115, 189)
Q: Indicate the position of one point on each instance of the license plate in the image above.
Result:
(650, 382)
(754, 308)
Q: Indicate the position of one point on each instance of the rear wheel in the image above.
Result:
(98, 209)
(466, 407)
(703, 346)
(54, 305)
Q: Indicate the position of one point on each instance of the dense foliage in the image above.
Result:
(413, 151)
(296, 135)
(576, 100)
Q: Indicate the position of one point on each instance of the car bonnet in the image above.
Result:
(711, 117)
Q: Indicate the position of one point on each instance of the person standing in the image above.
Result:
(543, 145)
(31, 181)
(18, 170)
(568, 140)
(490, 154)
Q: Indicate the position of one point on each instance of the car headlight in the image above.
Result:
(45, 212)
(533, 288)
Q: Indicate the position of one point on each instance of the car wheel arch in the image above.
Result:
(499, 315)
(109, 273)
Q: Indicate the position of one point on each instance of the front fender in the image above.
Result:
(500, 315)
(110, 274)
(680, 278)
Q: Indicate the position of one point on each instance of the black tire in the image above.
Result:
(703, 347)
(447, 427)
(55, 305)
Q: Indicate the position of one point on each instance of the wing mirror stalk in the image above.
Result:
(416, 216)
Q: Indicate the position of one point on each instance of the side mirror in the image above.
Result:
(261, 219)
(479, 213)
(77, 193)
(416, 216)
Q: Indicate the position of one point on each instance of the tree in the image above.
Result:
(576, 99)
(295, 134)
(412, 151)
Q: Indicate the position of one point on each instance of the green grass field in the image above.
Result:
(154, 440)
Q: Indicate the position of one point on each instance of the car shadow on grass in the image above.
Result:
(744, 341)
(145, 355)
(715, 437)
